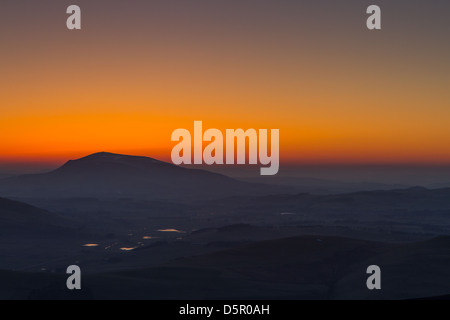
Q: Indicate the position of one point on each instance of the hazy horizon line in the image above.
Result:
(391, 173)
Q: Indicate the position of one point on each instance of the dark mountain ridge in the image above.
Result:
(19, 218)
(108, 175)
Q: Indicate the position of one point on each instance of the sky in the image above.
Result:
(138, 70)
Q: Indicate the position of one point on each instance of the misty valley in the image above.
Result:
(140, 228)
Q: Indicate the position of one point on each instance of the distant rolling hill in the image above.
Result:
(108, 175)
(17, 218)
(323, 186)
(414, 199)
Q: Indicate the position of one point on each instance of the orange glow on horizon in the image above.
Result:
(58, 138)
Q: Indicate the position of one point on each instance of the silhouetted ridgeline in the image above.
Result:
(107, 175)
(20, 219)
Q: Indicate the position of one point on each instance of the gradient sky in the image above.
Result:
(138, 70)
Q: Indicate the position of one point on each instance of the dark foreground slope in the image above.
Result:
(291, 268)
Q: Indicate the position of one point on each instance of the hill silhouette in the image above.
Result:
(109, 175)
(19, 218)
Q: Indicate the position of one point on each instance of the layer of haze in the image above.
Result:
(339, 93)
